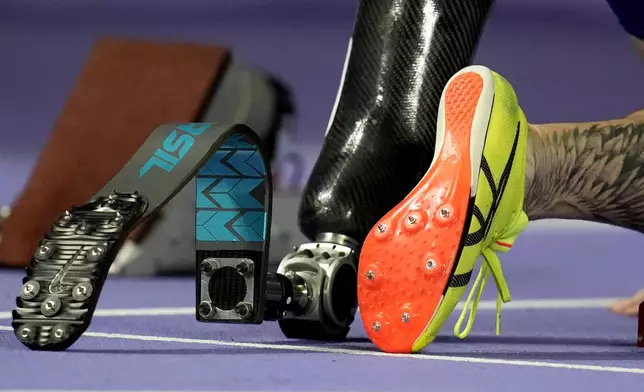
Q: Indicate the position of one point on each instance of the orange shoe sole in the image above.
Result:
(409, 257)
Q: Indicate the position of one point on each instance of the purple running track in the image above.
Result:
(556, 335)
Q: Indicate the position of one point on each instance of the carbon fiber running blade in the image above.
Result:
(68, 269)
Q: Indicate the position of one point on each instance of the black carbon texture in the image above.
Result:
(381, 141)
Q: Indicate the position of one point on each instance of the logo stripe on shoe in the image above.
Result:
(408, 258)
(497, 194)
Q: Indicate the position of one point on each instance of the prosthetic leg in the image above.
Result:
(379, 144)
(68, 269)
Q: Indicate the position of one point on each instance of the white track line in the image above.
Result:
(548, 304)
(179, 311)
(342, 351)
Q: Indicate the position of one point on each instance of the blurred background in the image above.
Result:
(569, 60)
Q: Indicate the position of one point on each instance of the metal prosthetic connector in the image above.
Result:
(313, 295)
(324, 278)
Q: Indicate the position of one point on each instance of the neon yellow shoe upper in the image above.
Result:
(497, 217)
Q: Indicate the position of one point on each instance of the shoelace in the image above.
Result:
(491, 265)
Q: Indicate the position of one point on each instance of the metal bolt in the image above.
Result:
(26, 334)
(66, 217)
(431, 264)
(244, 268)
(370, 275)
(117, 220)
(83, 228)
(111, 199)
(209, 266)
(405, 317)
(60, 332)
(205, 309)
(82, 291)
(376, 326)
(30, 290)
(44, 251)
(412, 219)
(445, 212)
(96, 253)
(244, 310)
(382, 228)
(51, 306)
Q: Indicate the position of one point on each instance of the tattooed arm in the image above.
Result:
(588, 171)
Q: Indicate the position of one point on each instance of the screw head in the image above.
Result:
(30, 290)
(382, 228)
(66, 217)
(370, 275)
(96, 253)
(430, 264)
(117, 220)
(26, 333)
(376, 326)
(445, 212)
(83, 228)
(244, 310)
(244, 268)
(209, 266)
(111, 199)
(60, 332)
(51, 306)
(205, 309)
(44, 251)
(405, 317)
(82, 291)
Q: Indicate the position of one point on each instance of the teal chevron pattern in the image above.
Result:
(231, 226)
(230, 194)
(242, 163)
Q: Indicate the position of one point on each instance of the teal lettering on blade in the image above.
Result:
(175, 146)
